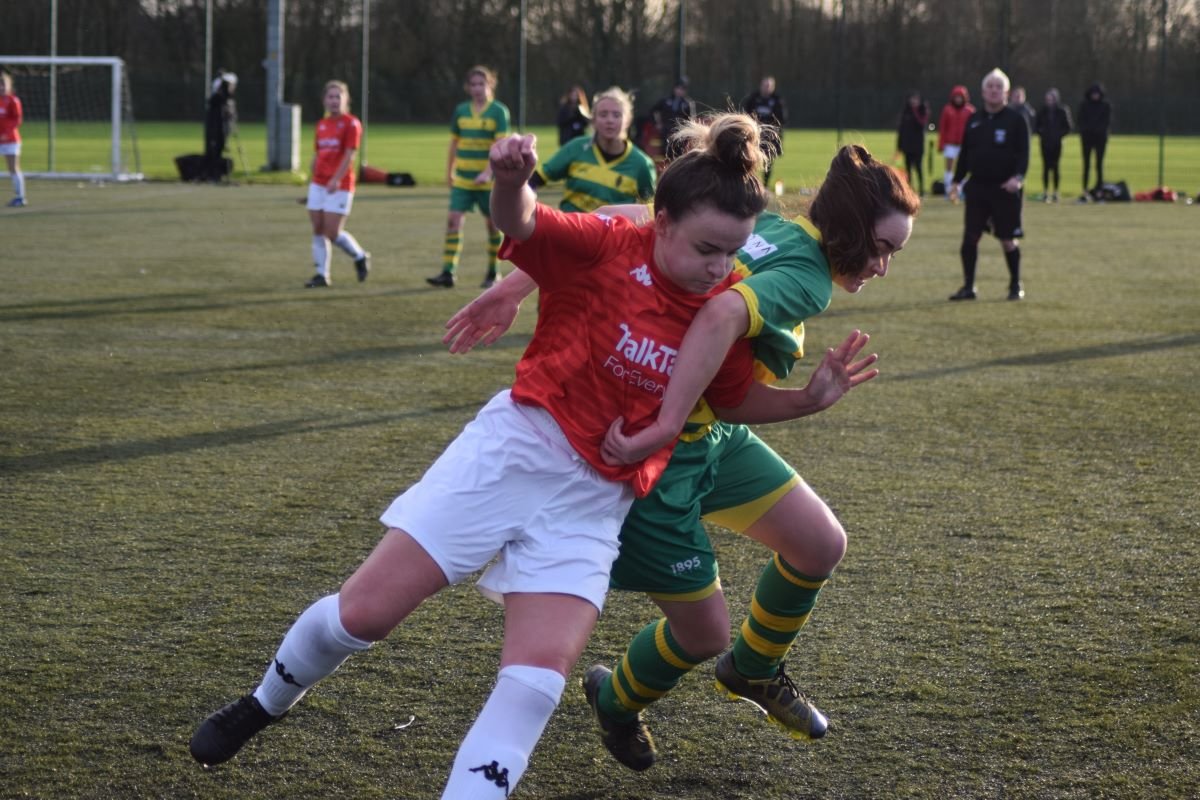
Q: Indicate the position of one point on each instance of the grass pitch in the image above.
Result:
(193, 447)
(421, 151)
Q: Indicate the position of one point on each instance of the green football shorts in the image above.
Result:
(466, 199)
(730, 477)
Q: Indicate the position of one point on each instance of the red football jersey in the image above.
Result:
(336, 135)
(608, 331)
(10, 119)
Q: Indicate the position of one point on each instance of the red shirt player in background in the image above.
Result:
(952, 124)
(331, 193)
(10, 138)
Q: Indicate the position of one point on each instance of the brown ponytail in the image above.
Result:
(857, 192)
(719, 169)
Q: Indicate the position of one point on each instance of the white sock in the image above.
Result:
(349, 245)
(314, 648)
(948, 178)
(320, 248)
(18, 181)
(493, 756)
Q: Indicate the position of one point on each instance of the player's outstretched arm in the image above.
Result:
(486, 318)
(514, 205)
(839, 371)
(721, 322)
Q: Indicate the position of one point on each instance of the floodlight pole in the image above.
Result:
(1005, 13)
(53, 120)
(839, 68)
(365, 85)
(208, 42)
(274, 66)
(1162, 97)
(682, 73)
(522, 89)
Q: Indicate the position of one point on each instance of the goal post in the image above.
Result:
(78, 117)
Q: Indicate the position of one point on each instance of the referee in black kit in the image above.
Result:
(995, 152)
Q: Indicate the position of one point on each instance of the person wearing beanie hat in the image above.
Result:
(1094, 119)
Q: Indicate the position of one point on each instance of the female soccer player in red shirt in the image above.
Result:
(331, 192)
(526, 482)
(10, 138)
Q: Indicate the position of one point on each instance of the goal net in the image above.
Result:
(78, 117)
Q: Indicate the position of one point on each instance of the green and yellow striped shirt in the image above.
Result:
(474, 133)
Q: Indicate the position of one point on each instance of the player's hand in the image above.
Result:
(1012, 185)
(482, 321)
(512, 159)
(618, 448)
(839, 372)
(332, 187)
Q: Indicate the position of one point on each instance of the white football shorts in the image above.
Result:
(951, 150)
(320, 199)
(511, 487)
(10, 149)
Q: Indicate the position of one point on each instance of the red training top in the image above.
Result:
(953, 122)
(609, 328)
(10, 119)
(336, 135)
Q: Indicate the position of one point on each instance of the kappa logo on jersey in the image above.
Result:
(642, 274)
(757, 247)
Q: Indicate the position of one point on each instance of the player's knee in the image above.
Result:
(702, 639)
(818, 549)
(829, 548)
(360, 616)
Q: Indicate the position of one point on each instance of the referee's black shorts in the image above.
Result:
(991, 209)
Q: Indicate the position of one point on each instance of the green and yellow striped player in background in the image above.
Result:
(477, 123)
(606, 168)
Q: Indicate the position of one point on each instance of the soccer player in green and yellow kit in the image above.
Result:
(606, 168)
(477, 123)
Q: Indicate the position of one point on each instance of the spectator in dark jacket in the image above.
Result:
(218, 124)
(1052, 124)
(573, 115)
(768, 108)
(910, 137)
(1094, 120)
(671, 113)
(1016, 101)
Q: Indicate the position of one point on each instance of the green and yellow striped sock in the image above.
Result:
(783, 600)
(494, 240)
(452, 250)
(650, 668)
